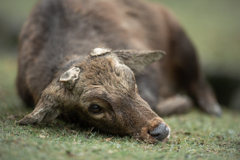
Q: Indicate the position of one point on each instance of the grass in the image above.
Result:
(194, 135)
(214, 28)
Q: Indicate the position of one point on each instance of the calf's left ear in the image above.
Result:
(138, 60)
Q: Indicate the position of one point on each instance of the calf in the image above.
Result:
(76, 60)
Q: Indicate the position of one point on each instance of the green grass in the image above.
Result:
(194, 135)
(214, 28)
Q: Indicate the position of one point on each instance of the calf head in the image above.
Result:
(101, 90)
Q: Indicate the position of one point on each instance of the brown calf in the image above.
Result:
(61, 71)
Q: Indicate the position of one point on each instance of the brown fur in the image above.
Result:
(60, 34)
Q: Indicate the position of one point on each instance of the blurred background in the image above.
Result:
(213, 26)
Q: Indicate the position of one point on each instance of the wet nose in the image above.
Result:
(160, 132)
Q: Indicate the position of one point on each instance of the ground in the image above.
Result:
(195, 135)
(214, 28)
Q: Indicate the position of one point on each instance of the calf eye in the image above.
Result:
(94, 108)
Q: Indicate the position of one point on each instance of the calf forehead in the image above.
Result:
(109, 72)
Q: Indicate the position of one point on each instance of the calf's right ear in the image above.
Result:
(43, 113)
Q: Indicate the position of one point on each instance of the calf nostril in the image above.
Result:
(160, 132)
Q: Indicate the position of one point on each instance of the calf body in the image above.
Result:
(111, 87)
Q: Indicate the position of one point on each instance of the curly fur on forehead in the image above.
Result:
(109, 72)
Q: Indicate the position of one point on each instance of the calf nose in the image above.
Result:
(160, 132)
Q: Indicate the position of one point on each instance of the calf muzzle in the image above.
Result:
(155, 131)
(160, 132)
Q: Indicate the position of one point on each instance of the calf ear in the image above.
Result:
(69, 77)
(43, 113)
(138, 60)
